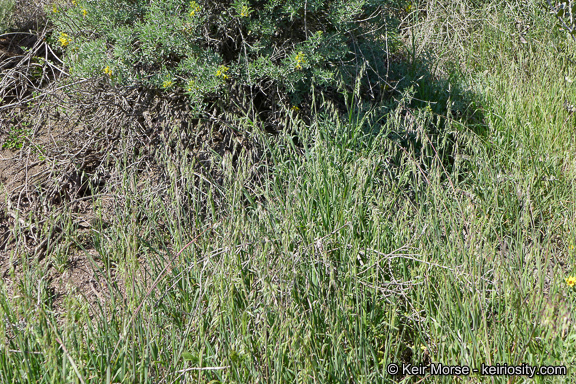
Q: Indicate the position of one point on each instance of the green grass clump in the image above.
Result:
(409, 234)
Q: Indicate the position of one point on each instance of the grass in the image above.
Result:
(413, 238)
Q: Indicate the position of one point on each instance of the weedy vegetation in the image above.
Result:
(287, 191)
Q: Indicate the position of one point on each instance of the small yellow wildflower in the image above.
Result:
(84, 12)
(54, 9)
(108, 71)
(221, 72)
(194, 8)
(167, 84)
(571, 281)
(191, 85)
(64, 39)
(245, 12)
(300, 59)
(295, 108)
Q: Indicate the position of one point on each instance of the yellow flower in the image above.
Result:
(64, 39)
(192, 85)
(167, 83)
(245, 12)
(84, 12)
(300, 59)
(221, 72)
(108, 71)
(74, 2)
(54, 9)
(571, 281)
(194, 8)
(295, 108)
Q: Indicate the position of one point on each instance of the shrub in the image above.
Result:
(265, 53)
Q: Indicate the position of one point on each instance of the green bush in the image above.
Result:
(6, 9)
(224, 53)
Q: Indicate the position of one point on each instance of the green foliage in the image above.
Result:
(16, 138)
(6, 9)
(209, 51)
(565, 13)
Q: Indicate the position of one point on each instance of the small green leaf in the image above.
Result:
(187, 356)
